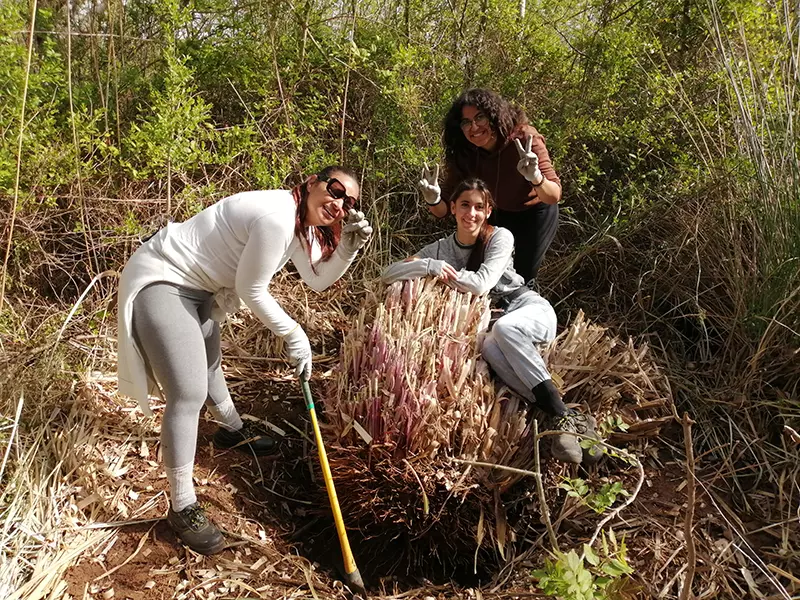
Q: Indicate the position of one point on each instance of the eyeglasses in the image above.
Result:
(480, 120)
(337, 190)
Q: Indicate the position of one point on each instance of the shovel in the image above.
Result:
(351, 574)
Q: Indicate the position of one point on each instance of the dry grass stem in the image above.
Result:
(686, 591)
(20, 138)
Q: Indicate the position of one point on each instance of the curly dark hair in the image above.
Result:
(503, 115)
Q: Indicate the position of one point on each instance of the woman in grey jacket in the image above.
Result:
(478, 258)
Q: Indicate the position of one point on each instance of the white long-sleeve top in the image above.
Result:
(239, 243)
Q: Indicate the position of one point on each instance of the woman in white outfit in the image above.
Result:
(479, 258)
(178, 285)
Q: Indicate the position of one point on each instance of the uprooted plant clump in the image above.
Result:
(414, 418)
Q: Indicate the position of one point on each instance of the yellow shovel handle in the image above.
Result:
(351, 570)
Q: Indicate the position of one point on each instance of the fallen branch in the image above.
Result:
(543, 510)
(624, 505)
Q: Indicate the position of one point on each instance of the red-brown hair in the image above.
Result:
(475, 259)
(327, 236)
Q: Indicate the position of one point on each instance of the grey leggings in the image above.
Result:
(172, 325)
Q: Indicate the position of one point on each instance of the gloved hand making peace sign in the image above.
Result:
(429, 186)
(528, 164)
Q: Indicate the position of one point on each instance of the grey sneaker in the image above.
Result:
(567, 448)
(249, 439)
(195, 530)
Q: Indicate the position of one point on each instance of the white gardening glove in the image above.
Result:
(528, 164)
(442, 269)
(435, 267)
(298, 350)
(429, 186)
(356, 232)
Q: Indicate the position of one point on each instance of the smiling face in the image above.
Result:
(477, 128)
(329, 201)
(471, 211)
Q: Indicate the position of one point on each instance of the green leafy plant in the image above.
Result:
(613, 422)
(599, 501)
(592, 576)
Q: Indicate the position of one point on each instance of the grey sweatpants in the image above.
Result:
(511, 350)
(172, 325)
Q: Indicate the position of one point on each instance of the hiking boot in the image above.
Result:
(567, 448)
(249, 439)
(195, 530)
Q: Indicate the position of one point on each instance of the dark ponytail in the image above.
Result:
(475, 259)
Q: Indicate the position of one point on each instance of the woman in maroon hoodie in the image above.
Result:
(489, 138)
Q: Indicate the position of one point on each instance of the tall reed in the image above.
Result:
(762, 80)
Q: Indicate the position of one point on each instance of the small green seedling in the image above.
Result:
(611, 423)
(592, 576)
(598, 501)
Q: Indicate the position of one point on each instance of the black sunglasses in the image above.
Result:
(337, 190)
